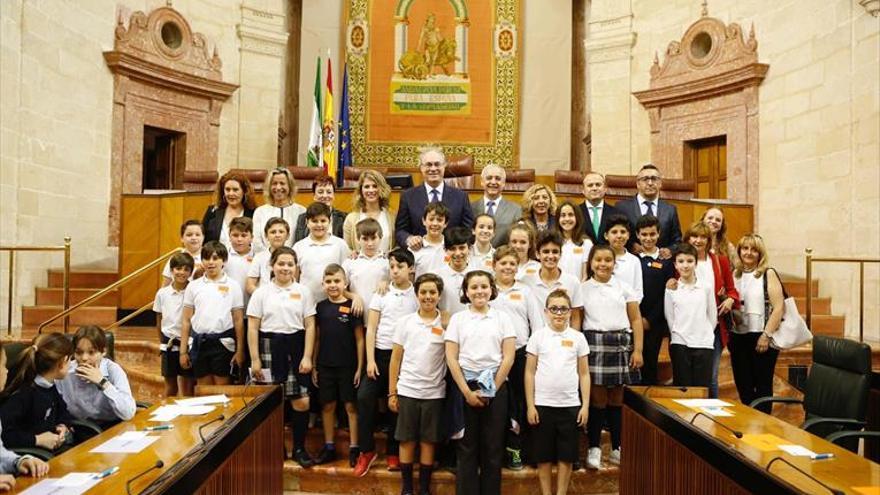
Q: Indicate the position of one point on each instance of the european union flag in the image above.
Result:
(345, 156)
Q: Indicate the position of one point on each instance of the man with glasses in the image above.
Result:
(595, 210)
(648, 202)
(408, 225)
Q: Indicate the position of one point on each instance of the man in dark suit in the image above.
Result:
(504, 212)
(648, 202)
(595, 210)
(408, 224)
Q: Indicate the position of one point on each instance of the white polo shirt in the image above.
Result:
(238, 267)
(556, 379)
(574, 257)
(691, 314)
(282, 309)
(522, 308)
(314, 256)
(479, 337)
(197, 258)
(450, 299)
(169, 304)
(530, 267)
(365, 273)
(605, 304)
(212, 302)
(260, 268)
(430, 258)
(481, 261)
(628, 269)
(541, 289)
(392, 306)
(423, 369)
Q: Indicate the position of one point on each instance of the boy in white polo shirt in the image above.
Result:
(192, 236)
(556, 368)
(457, 242)
(689, 306)
(550, 277)
(385, 311)
(318, 250)
(417, 384)
(212, 319)
(371, 266)
(168, 307)
(432, 255)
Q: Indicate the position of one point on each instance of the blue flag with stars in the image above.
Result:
(345, 156)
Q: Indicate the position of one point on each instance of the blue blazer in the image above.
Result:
(412, 208)
(670, 228)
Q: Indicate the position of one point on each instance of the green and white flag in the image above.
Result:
(316, 152)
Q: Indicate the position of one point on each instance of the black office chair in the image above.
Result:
(836, 391)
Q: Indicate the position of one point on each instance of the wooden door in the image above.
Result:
(706, 164)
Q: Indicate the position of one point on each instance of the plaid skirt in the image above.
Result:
(295, 385)
(609, 358)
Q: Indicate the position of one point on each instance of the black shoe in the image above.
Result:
(353, 454)
(326, 455)
(514, 460)
(303, 458)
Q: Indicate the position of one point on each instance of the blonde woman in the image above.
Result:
(539, 203)
(280, 193)
(372, 195)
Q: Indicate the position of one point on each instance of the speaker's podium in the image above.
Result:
(670, 447)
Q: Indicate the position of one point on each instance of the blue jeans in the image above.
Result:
(716, 361)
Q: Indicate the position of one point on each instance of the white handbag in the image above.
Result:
(792, 331)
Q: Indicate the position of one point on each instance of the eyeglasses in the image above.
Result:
(649, 178)
(432, 164)
(559, 310)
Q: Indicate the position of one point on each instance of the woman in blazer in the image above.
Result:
(234, 197)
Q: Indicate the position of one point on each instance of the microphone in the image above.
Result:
(808, 475)
(736, 433)
(218, 418)
(158, 465)
(247, 383)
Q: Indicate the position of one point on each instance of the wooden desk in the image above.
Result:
(242, 454)
(675, 457)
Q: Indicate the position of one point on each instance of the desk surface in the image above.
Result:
(844, 472)
(172, 446)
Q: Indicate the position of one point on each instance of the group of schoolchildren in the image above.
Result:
(467, 350)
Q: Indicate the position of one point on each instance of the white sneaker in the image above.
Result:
(594, 458)
(614, 457)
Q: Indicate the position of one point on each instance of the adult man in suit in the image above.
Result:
(408, 224)
(595, 210)
(648, 202)
(504, 212)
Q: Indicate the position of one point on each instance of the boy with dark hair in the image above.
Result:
(319, 249)
(370, 266)
(655, 272)
(457, 242)
(192, 235)
(550, 277)
(168, 307)
(431, 256)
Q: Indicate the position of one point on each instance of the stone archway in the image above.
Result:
(401, 28)
(163, 76)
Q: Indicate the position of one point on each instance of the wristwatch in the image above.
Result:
(104, 381)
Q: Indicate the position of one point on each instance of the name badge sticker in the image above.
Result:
(531, 271)
(437, 330)
(295, 296)
(567, 343)
(515, 296)
(223, 289)
(578, 250)
(344, 310)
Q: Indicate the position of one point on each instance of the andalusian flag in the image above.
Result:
(344, 131)
(329, 126)
(316, 156)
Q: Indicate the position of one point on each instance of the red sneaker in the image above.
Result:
(364, 461)
(393, 463)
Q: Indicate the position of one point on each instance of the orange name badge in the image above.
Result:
(515, 296)
(567, 343)
(344, 310)
(488, 262)
(656, 264)
(578, 250)
(437, 330)
(531, 271)
(223, 289)
(295, 296)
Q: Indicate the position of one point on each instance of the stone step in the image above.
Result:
(830, 325)
(797, 286)
(85, 279)
(146, 382)
(88, 315)
(53, 296)
(821, 305)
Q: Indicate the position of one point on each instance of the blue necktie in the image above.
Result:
(435, 196)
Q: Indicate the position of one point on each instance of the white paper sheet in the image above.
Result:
(171, 411)
(716, 411)
(697, 403)
(265, 375)
(203, 401)
(48, 486)
(798, 450)
(130, 442)
(75, 479)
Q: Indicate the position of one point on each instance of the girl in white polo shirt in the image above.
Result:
(281, 337)
(276, 233)
(556, 369)
(522, 240)
(417, 383)
(480, 345)
(613, 328)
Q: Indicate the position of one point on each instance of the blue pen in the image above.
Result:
(107, 472)
(159, 428)
(819, 457)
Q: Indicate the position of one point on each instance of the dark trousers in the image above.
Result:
(368, 393)
(650, 352)
(516, 392)
(691, 367)
(481, 450)
(752, 371)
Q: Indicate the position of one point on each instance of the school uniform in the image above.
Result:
(282, 312)
(365, 273)
(313, 256)
(238, 267)
(337, 350)
(197, 259)
(169, 304)
(85, 400)
(481, 261)
(421, 382)
(530, 267)
(481, 448)
(628, 269)
(260, 267)
(557, 396)
(607, 329)
(574, 257)
(655, 273)
(264, 213)
(690, 312)
(33, 409)
(541, 289)
(430, 258)
(212, 339)
(392, 307)
(450, 299)
(9, 460)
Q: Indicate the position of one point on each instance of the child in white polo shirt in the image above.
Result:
(281, 334)
(457, 242)
(417, 383)
(556, 369)
(192, 235)
(277, 231)
(385, 311)
(689, 306)
(482, 250)
(168, 307)
(480, 344)
(522, 239)
(370, 267)
(627, 266)
(318, 250)
(550, 277)
(212, 320)
(431, 256)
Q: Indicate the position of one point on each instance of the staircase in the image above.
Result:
(48, 300)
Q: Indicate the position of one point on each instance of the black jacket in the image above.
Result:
(212, 221)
